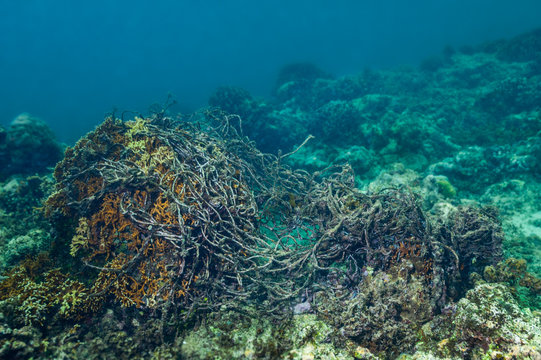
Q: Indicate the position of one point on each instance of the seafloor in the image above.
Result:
(393, 214)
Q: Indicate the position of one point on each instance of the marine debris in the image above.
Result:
(177, 237)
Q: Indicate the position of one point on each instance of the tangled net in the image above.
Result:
(189, 213)
(169, 213)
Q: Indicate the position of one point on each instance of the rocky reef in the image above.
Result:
(407, 229)
(469, 117)
(28, 152)
(28, 146)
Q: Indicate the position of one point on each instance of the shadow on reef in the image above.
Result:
(166, 228)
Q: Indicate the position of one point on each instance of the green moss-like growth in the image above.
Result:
(42, 297)
(446, 189)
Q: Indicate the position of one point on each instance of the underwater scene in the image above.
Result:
(345, 203)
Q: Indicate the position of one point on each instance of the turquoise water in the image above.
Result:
(326, 181)
(60, 58)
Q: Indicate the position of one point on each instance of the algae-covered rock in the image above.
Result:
(421, 355)
(510, 96)
(23, 231)
(384, 313)
(437, 189)
(335, 121)
(296, 83)
(396, 176)
(486, 324)
(229, 335)
(21, 246)
(359, 157)
(469, 169)
(19, 343)
(523, 47)
(524, 286)
(521, 218)
(31, 145)
(234, 100)
(490, 318)
(311, 158)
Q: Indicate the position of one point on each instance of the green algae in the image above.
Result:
(446, 188)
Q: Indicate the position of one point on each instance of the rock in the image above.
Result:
(31, 146)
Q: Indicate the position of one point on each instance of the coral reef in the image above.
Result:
(22, 231)
(486, 324)
(142, 193)
(28, 146)
(175, 219)
(176, 237)
(470, 116)
(470, 98)
(250, 337)
(384, 312)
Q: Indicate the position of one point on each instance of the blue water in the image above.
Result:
(70, 62)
